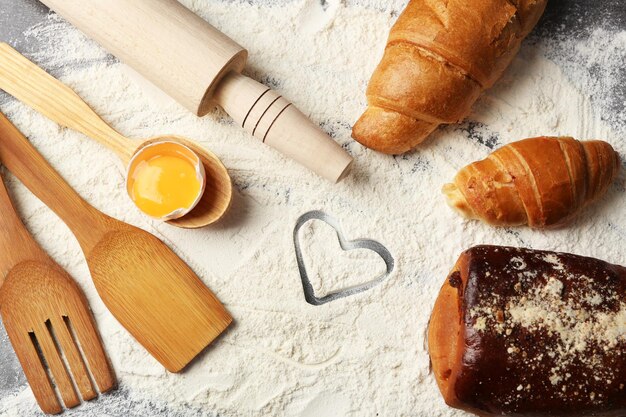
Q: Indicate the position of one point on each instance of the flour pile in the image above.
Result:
(361, 355)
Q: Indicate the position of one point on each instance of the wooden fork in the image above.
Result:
(48, 320)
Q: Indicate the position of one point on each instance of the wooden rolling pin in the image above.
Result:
(200, 67)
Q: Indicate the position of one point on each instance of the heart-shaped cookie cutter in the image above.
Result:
(346, 245)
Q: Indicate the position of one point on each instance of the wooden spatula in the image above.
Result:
(48, 320)
(149, 289)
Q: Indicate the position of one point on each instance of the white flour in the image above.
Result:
(362, 355)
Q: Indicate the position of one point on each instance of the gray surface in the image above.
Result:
(563, 19)
(17, 16)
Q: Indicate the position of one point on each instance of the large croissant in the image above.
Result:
(540, 181)
(440, 55)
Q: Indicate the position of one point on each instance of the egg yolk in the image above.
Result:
(165, 183)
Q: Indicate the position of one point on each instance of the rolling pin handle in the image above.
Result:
(275, 121)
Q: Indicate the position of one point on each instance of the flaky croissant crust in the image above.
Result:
(542, 182)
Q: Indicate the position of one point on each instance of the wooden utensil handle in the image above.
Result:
(274, 120)
(23, 160)
(33, 86)
(16, 244)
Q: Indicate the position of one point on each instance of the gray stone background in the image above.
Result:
(563, 20)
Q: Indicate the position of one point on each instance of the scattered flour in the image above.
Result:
(573, 322)
(359, 356)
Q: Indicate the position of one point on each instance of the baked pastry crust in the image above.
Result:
(440, 55)
(542, 182)
(522, 332)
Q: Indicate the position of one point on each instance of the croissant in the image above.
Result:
(440, 55)
(540, 181)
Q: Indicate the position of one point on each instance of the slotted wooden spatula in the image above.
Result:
(145, 285)
(48, 320)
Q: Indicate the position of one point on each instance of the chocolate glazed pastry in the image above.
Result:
(520, 332)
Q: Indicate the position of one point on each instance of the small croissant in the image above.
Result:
(542, 182)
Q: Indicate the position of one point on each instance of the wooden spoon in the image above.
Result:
(149, 289)
(32, 85)
(45, 313)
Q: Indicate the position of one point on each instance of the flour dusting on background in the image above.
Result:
(358, 356)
